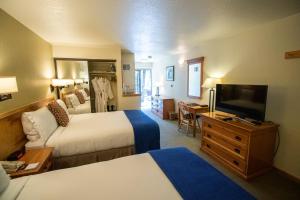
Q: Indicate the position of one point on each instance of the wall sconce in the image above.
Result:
(78, 81)
(8, 85)
(60, 83)
(57, 83)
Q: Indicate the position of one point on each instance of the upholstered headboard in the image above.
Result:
(12, 137)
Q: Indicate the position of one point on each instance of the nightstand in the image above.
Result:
(42, 156)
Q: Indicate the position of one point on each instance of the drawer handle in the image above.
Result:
(209, 126)
(209, 136)
(236, 163)
(238, 138)
(208, 145)
(237, 150)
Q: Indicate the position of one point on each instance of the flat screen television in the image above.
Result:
(245, 101)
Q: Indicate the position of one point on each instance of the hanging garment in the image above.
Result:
(97, 91)
(103, 95)
(108, 89)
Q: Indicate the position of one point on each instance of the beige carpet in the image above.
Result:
(269, 186)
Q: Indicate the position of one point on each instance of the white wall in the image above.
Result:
(131, 102)
(253, 57)
(129, 75)
(28, 57)
(106, 52)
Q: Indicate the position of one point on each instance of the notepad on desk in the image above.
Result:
(32, 166)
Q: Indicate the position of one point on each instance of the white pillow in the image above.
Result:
(68, 102)
(63, 105)
(4, 179)
(74, 100)
(39, 124)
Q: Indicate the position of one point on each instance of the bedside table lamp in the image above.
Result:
(211, 83)
(8, 85)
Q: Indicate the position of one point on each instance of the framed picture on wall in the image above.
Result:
(170, 73)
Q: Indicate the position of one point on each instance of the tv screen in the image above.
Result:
(246, 101)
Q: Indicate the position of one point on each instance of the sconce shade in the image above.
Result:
(58, 83)
(69, 81)
(8, 85)
(61, 82)
(78, 81)
(211, 82)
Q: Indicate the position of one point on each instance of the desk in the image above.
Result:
(194, 109)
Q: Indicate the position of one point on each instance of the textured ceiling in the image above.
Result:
(144, 26)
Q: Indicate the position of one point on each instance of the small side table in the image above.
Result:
(43, 156)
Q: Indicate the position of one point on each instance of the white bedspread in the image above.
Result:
(129, 178)
(92, 132)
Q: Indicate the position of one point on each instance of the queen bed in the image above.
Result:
(88, 138)
(174, 173)
(94, 137)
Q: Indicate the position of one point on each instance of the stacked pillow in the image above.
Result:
(67, 101)
(80, 96)
(87, 91)
(72, 100)
(39, 125)
(86, 97)
(59, 113)
(63, 105)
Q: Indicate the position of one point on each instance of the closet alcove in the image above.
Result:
(87, 70)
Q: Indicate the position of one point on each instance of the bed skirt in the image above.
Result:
(83, 159)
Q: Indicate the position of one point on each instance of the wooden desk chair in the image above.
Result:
(186, 117)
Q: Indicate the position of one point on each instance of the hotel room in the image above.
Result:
(149, 99)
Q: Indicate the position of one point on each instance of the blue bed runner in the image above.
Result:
(146, 131)
(194, 178)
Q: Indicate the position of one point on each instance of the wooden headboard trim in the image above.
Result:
(12, 137)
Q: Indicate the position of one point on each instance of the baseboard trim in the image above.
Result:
(287, 175)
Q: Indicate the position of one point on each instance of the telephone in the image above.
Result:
(12, 166)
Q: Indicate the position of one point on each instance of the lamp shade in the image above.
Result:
(78, 81)
(58, 82)
(69, 81)
(8, 85)
(211, 82)
(61, 82)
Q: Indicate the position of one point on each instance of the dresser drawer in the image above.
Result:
(233, 134)
(214, 149)
(233, 147)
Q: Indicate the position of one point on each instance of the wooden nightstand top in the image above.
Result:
(43, 156)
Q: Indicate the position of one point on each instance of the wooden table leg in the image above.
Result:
(194, 124)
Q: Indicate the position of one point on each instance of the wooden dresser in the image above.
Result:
(161, 106)
(246, 149)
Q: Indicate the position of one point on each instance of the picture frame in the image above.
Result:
(170, 73)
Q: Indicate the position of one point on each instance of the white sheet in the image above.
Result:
(134, 177)
(14, 188)
(81, 109)
(92, 132)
